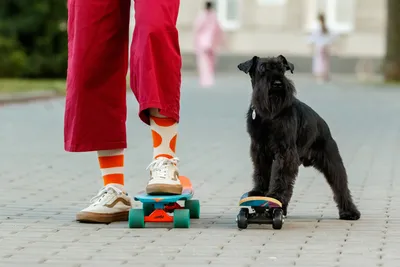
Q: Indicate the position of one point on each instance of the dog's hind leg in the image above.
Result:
(329, 162)
(262, 162)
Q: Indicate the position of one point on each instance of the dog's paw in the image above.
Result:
(350, 215)
(256, 193)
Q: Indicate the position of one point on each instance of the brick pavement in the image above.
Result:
(43, 187)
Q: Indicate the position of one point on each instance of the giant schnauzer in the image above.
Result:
(286, 133)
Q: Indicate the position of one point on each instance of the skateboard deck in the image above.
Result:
(187, 194)
(256, 201)
(156, 208)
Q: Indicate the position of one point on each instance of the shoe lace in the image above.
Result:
(160, 166)
(103, 192)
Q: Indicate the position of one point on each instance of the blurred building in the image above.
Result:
(271, 27)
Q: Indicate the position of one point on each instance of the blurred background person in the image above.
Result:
(321, 39)
(208, 36)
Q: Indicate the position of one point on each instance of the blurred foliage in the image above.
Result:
(33, 38)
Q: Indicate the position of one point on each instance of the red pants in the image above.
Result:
(98, 39)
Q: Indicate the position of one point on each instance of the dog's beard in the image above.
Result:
(268, 100)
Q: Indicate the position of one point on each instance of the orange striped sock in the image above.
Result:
(112, 166)
(164, 132)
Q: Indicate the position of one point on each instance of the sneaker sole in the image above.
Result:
(164, 189)
(91, 217)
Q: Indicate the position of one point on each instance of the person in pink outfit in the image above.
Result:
(208, 36)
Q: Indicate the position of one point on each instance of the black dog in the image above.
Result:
(286, 133)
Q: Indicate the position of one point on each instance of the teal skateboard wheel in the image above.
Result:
(194, 207)
(181, 218)
(136, 218)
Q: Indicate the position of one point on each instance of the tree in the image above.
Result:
(392, 57)
(33, 38)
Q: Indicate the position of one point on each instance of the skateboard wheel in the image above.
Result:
(245, 211)
(194, 207)
(242, 218)
(277, 219)
(136, 218)
(148, 208)
(181, 218)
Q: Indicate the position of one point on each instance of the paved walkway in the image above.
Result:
(43, 187)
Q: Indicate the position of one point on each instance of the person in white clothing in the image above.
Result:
(322, 40)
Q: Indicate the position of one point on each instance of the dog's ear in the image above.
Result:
(287, 64)
(248, 65)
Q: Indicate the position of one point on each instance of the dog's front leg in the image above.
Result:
(284, 172)
(262, 163)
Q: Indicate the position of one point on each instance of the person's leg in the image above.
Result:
(211, 65)
(95, 111)
(200, 66)
(318, 66)
(155, 68)
(205, 63)
(326, 67)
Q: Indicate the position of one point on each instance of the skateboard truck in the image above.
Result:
(160, 213)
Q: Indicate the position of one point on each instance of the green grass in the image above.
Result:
(383, 84)
(397, 83)
(28, 85)
(9, 86)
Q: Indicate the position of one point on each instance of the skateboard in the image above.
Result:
(266, 211)
(157, 208)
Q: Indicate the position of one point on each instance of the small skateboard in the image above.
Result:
(156, 208)
(266, 211)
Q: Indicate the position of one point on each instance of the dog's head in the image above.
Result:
(272, 91)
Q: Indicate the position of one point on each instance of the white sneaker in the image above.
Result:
(110, 204)
(164, 177)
